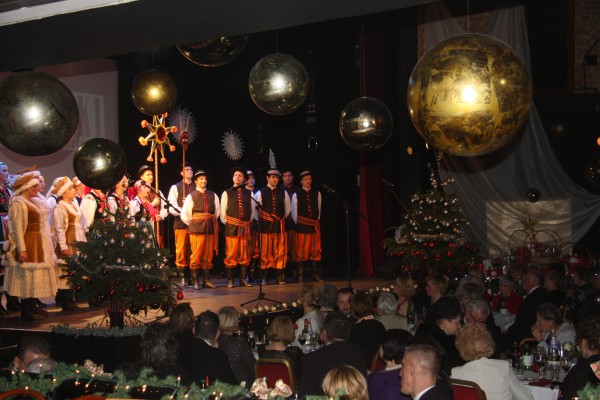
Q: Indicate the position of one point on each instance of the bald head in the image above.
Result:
(420, 366)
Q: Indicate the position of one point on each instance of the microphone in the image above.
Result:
(387, 182)
(143, 183)
(328, 188)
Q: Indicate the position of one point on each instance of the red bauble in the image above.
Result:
(112, 292)
(141, 289)
(179, 295)
(89, 281)
(105, 271)
(78, 288)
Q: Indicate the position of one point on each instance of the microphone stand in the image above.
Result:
(261, 295)
(347, 207)
(160, 196)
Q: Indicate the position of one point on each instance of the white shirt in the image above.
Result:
(258, 198)
(422, 392)
(294, 206)
(188, 205)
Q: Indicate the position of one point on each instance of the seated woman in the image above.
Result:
(386, 310)
(404, 288)
(588, 339)
(442, 322)
(385, 384)
(239, 353)
(507, 298)
(309, 298)
(367, 332)
(554, 284)
(280, 334)
(347, 380)
(549, 318)
(495, 377)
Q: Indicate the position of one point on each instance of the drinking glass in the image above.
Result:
(565, 363)
(540, 360)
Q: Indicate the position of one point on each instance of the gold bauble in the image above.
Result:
(278, 84)
(469, 95)
(154, 92)
(214, 52)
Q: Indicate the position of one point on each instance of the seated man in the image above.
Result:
(30, 348)
(420, 367)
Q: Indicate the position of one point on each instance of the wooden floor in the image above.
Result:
(200, 300)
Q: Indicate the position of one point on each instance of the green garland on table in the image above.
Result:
(123, 388)
(589, 392)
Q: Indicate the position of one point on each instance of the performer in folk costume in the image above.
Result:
(93, 206)
(51, 198)
(80, 189)
(254, 250)
(200, 212)
(306, 212)
(142, 210)
(287, 179)
(67, 228)
(30, 261)
(237, 215)
(117, 200)
(177, 195)
(145, 174)
(275, 206)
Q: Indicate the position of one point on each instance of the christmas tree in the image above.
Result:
(119, 268)
(431, 239)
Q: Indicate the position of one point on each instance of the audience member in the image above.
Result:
(202, 358)
(309, 298)
(404, 288)
(159, 350)
(30, 348)
(441, 324)
(583, 300)
(549, 319)
(181, 321)
(495, 377)
(420, 368)
(385, 384)
(517, 272)
(367, 332)
(40, 366)
(507, 298)
(387, 305)
(336, 351)
(479, 277)
(436, 286)
(280, 335)
(328, 299)
(588, 339)
(347, 382)
(238, 351)
(343, 301)
(468, 290)
(479, 311)
(554, 284)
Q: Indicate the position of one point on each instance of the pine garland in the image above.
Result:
(589, 392)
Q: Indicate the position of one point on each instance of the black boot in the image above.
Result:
(64, 298)
(299, 270)
(30, 310)
(315, 272)
(207, 283)
(230, 277)
(252, 272)
(264, 276)
(187, 277)
(281, 277)
(39, 302)
(12, 303)
(196, 278)
(243, 282)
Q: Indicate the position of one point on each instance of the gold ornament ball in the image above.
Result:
(214, 52)
(154, 92)
(366, 124)
(278, 84)
(469, 95)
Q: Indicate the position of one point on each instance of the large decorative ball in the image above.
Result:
(39, 114)
(154, 92)
(533, 195)
(278, 84)
(214, 52)
(366, 124)
(100, 163)
(469, 95)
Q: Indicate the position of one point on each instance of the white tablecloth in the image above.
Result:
(540, 392)
(504, 321)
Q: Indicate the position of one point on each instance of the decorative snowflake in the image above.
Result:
(232, 145)
(159, 136)
(186, 126)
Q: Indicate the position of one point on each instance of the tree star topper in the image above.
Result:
(159, 135)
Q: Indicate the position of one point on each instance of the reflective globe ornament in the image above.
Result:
(39, 114)
(278, 84)
(469, 95)
(214, 52)
(533, 195)
(100, 163)
(154, 92)
(366, 124)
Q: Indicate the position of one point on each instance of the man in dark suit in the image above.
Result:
(200, 357)
(533, 283)
(420, 367)
(336, 351)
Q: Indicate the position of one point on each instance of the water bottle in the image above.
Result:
(251, 335)
(515, 355)
(554, 356)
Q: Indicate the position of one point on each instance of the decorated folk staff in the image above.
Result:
(275, 206)
(177, 195)
(237, 215)
(200, 212)
(306, 212)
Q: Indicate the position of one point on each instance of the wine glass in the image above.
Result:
(302, 337)
(565, 363)
(540, 360)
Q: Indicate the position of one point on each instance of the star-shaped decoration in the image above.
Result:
(159, 136)
(529, 224)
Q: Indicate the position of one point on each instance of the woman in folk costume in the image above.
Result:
(67, 228)
(117, 201)
(143, 211)
(30, 261)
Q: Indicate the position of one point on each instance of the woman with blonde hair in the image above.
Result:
(239, 353)
(404, 288)
(280, 334)
(346, 382)
(495, 377)
(309, 298)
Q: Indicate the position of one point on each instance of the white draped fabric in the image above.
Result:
(500, 181)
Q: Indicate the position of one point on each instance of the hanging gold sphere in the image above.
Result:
(278, 84)
(154, 92)
(469, 95)
(214, 52)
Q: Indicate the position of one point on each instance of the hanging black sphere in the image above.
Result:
(533, 195)
(100, 163)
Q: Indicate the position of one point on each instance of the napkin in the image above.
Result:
(541, 382)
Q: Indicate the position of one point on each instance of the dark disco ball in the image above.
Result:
(533, 195)
(39, 114)
(214, 52)
(366, 124)
(469, 95)
(592, 173)
(100, 163)
(278, 84)
(154, 92)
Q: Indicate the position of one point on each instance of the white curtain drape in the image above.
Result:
(503, 178)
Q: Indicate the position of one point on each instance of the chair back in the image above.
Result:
(466, 390)
(274, 369)
(376, 363)
(22, 394)
(531, 341)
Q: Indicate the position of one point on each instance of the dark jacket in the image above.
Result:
(526, 316)
(200, 360)
(580, 375)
